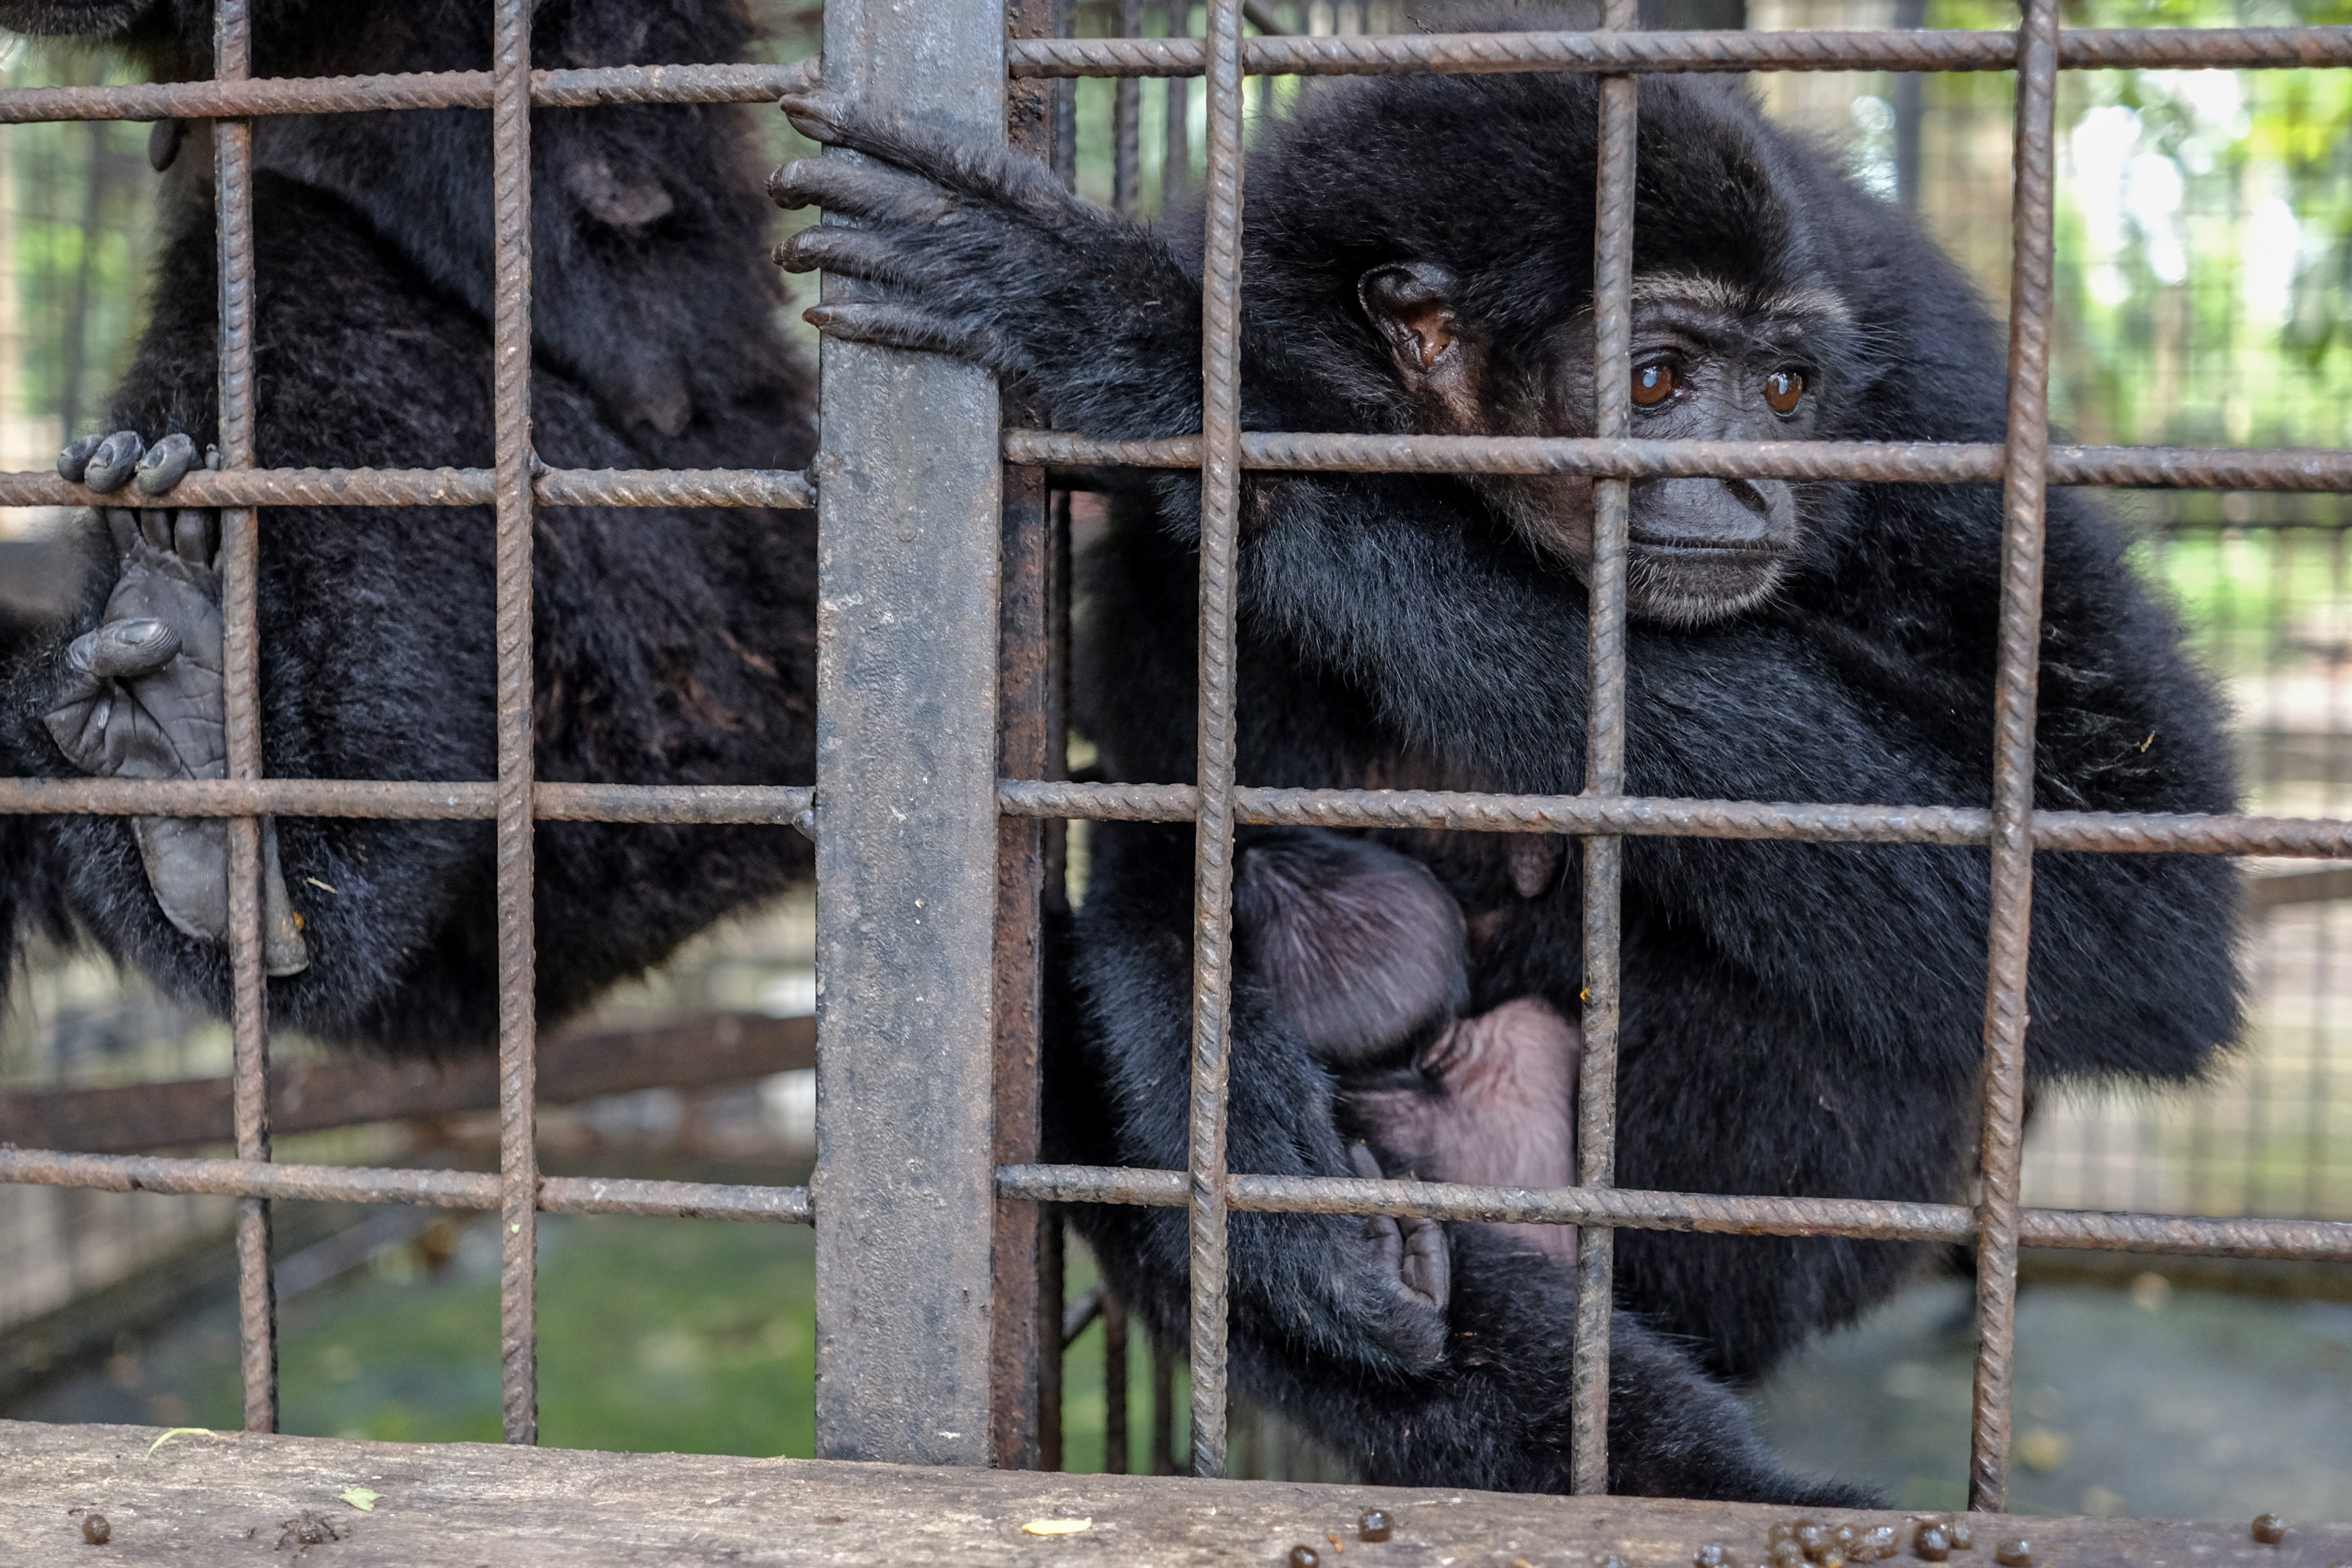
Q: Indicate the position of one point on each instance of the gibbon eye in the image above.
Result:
(1784, 389)
(1652, 384)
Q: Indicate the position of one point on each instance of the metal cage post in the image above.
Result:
(240, 551)
(908, 517)
(1605, 766)
(2024, 488)
(518, 953)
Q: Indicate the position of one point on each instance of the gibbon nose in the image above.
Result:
(1708, 514)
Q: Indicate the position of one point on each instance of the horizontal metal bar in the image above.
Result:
(2187, 1235)
(2147, 468)
(417, 89)
(2244, 48)
(365, 1184)
(781, 488)
(392, 798)
(1923, 462)
(2120, 832)
(2106, 49)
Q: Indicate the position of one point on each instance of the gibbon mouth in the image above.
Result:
(1695, 550)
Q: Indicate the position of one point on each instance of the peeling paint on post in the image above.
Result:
(908, 517)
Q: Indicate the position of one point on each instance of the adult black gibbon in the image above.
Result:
(1799, 1019)
(672, 646)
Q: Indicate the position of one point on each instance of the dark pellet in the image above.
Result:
(1879, 1541)
(1963, 1534)
(1376, 1525)
(2268, 1528)
(1814, 1539)
(1786, 1530)
(1785, 1554)
(1931, 1542)
(1306, 1557)
(95, 1529)
(1709, 1557)
(2017, 1553)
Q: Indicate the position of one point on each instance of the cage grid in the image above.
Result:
(973, 1384)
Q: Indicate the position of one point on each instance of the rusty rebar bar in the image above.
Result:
(2115, 48)
(2120, 467)
(1212, 929)
(1884, 462)
(1631, 1209)
(1127, 124)
(1939, 49)
(777, 805)
(2115, 833)
(362, 1184)
(2016, 682)
(781, 488)
(517, 966)
(2185, 1236)
(418, 89)
(1603, 855)
(239, 560)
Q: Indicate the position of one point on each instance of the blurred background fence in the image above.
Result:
(2205, 257)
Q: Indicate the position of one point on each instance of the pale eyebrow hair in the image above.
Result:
(1714, 294)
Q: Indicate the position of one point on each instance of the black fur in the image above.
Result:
(1800, 1019)
(672, 646)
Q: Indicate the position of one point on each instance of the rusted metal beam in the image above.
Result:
(699, 1053)
(909, 518)
(1028, 740)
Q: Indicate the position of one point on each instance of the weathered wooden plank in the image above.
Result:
(694, 1053)
(204, 1498)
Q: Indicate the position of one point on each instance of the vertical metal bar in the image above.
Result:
(1911, 15)
(1127, 121)
(1053, 1297)
(1221, 435)
(1604, 769)
(518, 958)
(1065, 152)
(1176, 172)
(1163, 1408)
(240, 549)
(909, 519)
(2024, 486)
(1027, 738)
(1114, 1318)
